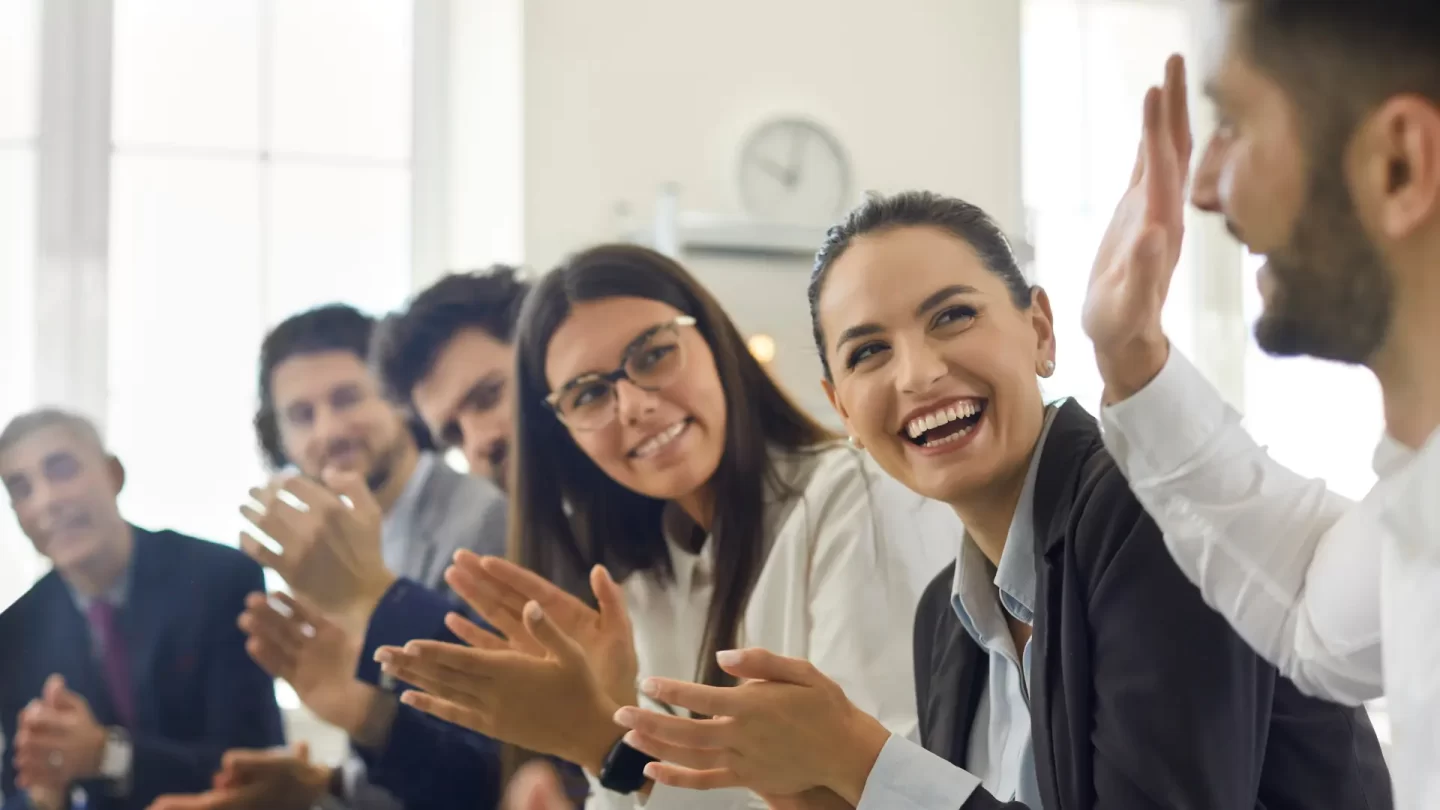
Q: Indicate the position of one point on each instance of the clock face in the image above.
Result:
(793, 171)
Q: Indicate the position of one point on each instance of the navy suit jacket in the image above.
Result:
(197, 693)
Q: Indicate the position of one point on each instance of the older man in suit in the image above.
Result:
(122, 672)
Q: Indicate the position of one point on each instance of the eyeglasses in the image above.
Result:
(652, 361)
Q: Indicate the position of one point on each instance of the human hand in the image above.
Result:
(57, 740)
(316, 656)
(550, 703)
(498, 590)
(258, 780)
(330, 551)
(785, 730)
(536, 786)
(1138, 254)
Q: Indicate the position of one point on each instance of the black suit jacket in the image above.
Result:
(1141, 695)
(197, 692)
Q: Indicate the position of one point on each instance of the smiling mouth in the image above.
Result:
(656, 443)
(945, 425)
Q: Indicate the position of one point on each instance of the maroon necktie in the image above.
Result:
(115, 659)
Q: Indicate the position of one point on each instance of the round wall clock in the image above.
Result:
(793, 170)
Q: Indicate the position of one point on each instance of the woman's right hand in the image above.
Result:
(498, 590)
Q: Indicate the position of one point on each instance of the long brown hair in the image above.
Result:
(568, 515)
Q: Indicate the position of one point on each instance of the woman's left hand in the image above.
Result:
(784, 730)
(552, 704)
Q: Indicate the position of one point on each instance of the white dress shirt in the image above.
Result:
(1310, 580)
(1000, 754)
(848, 559)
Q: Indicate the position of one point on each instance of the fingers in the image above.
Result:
(677, 776)
(473, 634)
(263, 622)
(257, 551)
(498, 605)
(551, 637)
(685, 732)
(529, 584)
(715, 701)
(355, 490)
(757, 664)
(610, 598)
(1177, 108)
(536, 787)
(465, 686)
(701, 759)
(446, 710)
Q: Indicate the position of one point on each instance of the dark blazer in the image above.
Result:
(197, 692)
(1141, 695)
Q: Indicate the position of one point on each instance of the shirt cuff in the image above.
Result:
(1166, 425)
(406, 612)
(907, 777)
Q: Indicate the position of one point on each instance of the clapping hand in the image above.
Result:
(786, 732)
(57, 740)
(330, 549)
(317, 657)
(258, 780)
(1137, 257)
(498, 591)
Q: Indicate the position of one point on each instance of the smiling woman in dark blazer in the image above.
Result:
(1063, 660)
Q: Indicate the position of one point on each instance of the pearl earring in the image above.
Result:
(1049, 368)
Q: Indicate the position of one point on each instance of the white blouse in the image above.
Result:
(848, 559)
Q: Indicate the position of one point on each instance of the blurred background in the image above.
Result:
(177, 176)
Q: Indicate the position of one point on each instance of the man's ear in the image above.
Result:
(116, 471)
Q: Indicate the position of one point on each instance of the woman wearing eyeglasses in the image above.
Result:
(652, 443)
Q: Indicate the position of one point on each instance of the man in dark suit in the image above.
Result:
(123, 674)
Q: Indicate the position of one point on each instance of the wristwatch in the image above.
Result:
(624, 768)
(117, 756)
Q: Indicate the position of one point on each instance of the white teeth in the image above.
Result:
(961, 410)
(659, 440)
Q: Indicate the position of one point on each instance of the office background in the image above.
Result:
(177, 176)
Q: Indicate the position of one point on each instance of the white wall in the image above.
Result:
(623, 97)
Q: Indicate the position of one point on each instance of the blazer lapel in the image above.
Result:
(1060, 673)
(150, 606)
(957, 679)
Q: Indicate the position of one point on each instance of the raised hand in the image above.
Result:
(330, 551)
(1137, 257)
(499, 590)
(785, 731)
(550, 703)
(311, 653)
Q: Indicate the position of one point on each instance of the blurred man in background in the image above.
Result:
(321, 411)
(447, 357)
(123, 675)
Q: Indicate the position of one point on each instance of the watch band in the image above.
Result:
(624, 768)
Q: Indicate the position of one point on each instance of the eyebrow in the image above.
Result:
(931, 301)
(637, 342)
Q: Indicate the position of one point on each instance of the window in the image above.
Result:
(19, 112)
(1085, 65)
(261, 165)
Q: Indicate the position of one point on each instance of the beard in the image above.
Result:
(1331, 297)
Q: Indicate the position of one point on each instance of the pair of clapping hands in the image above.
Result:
(559, 677)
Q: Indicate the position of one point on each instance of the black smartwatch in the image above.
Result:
(624, 768)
